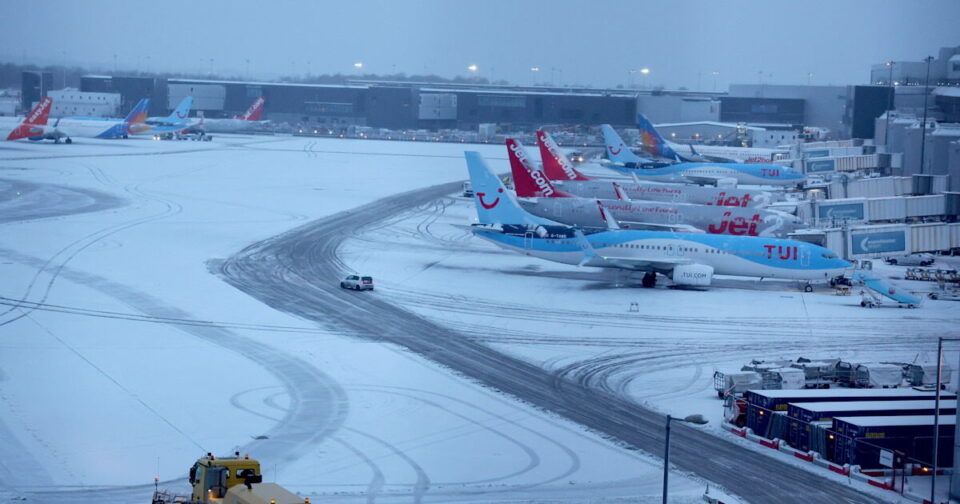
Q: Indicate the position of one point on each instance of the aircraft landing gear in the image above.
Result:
(649, 280)
(68, 140)
(807, 288)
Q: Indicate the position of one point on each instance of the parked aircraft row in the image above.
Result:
(622, 159)
(689, 259)
(35, 126)
(561, 171)
(539, 196)
(653, 143)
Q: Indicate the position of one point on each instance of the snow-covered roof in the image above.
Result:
(251, 83)
(518, 92)
(946, 130)
(947, 91)
(841, 392)
(875, 405)
(710, 123)
(897, 421)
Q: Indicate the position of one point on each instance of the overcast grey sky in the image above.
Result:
(585, 42)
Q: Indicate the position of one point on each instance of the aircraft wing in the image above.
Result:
(647, 226)
(661, 264)
(714, 181)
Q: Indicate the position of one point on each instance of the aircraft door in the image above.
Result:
(805, 256)
(528, 240)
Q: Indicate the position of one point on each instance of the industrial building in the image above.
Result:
(427, 105)
(73, 102)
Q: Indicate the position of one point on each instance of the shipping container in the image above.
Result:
(877, 375)
(761, 403)
(925, 373)
(859, 440)
(801, 415)
(818, 373)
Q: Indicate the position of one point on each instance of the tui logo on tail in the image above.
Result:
(486, 205)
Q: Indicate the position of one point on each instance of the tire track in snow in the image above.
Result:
(297, 272)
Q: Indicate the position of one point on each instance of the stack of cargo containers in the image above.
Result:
(859, 440)
(802, 416)
(763, 405)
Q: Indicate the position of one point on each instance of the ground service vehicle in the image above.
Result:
(229, 480)
(912, 260)
(357, 283)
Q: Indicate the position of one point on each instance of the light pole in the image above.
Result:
(473, 68)
(715, 75)
(923, 131)
(693, 419)
(645, 72)
(890, 103)
(936, 416)
(533, 75)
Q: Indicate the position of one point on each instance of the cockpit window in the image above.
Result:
(829, 256)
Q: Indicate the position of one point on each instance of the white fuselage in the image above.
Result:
(230, 125)
(742, 154)
(727, 255)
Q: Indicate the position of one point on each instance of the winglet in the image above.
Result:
(588, 251)
(555, 164)
(621, 194)
(607, 218)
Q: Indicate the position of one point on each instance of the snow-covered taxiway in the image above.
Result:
(124, 354)
(130, 344)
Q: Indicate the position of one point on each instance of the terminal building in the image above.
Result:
(432, 106)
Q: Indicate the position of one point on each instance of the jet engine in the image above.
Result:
(698, 275)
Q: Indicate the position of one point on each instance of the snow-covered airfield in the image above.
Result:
(138, 331)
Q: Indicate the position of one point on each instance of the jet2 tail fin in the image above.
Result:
(494, 203)
(555, 164)
(253, 113)
(528, 180)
